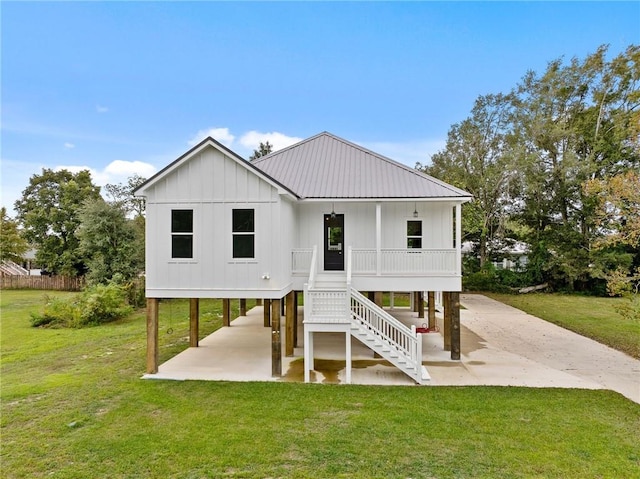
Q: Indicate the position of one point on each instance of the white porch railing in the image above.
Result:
(392, 261)
(301, 260)
(388, 329)
(404, 261)
(326, 306)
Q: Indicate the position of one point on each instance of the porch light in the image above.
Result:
(333, 211)
(415, 210)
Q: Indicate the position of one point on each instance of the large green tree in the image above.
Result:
(573, 123)
(108, 242)
(12, 245)
(49, 211)
(479, 158)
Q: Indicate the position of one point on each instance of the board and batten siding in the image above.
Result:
(360, 224)
(212, 185)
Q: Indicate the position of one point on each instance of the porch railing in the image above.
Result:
(403, 261)
(301, 260)
(391, 331)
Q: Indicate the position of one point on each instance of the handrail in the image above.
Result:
(349, 269)
(313, 268)
(381, 323)
(348, 296)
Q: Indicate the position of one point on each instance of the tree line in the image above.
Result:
(554, 165)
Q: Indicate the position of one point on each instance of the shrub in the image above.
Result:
(95, 305)
(103, 303)
(57, 312)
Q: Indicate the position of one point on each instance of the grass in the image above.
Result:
(589, 316)
(74, 406)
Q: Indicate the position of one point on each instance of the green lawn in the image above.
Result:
(74, 406)
(592, 317)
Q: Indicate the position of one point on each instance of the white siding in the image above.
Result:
(437, 224)
(213, 184)
(360, 224)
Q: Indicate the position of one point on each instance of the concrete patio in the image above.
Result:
(501, 346)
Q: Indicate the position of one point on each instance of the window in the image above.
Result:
(414, 234)
(243, 234)
(182, 233)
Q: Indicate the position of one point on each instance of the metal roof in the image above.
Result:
(325, 166)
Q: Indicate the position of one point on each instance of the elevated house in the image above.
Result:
(325, 217)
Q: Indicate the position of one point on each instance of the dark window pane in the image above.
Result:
(414, 243)
(182, 221)
(243, 221)
(243, 246)
(414, 228)
(182, 246)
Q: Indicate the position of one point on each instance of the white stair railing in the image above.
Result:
(405, 340)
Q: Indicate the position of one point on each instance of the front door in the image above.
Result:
(333, 242)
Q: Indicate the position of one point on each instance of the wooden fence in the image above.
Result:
(56, 283)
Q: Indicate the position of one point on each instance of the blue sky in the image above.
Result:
(126, 87)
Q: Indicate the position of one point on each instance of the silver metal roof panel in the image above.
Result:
(326, 166)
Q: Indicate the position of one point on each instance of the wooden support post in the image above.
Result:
(377, 298)
(420, 304)
(431, 305)
(243, 307)
(282, 302)
(295, 319)
(455, 325)
(258, 302)
(446, 330)
(267, 313)
(226, 312)
(289, 325)
(152, 335)
(276, 343)
(414, 303)
(194, 321)
(371, 296)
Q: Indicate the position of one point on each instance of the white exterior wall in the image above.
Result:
(213, 184)
(360, 224)
(437, 224)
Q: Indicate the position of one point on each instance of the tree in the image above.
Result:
(617, 213)
(478, 158)
(12, 245)
(108, 242)
(49, 210)
(263, 150)
(123, 194)
(573, 122)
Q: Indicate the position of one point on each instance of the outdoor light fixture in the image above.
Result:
(415, 211)
(333, 211)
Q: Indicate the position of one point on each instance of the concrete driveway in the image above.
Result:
(505, 346)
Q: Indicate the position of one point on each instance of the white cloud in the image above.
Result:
(219, 134)
(117, 171)
(69, 146)
(409, 152)
(252, 139)
(101, 109)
